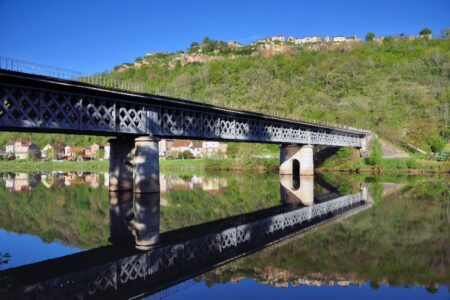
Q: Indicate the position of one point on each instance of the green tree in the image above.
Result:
(376, 154)
(437, 143)
(425, 31)
(370, 36)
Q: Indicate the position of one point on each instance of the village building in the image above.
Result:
(181, 145)
(107, 149)
(23, 150)
(345, 39)
(234, 44)
(73, 152)
(163, 147)
(214, 148)
(53, 151)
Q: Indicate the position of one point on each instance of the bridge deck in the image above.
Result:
(45, 104)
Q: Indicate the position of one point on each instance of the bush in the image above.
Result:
(376, 154)
(412, 163)
(436, 143)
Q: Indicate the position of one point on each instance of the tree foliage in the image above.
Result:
(425, 31)
(370, 36)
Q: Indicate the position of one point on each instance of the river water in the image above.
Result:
(225, 235)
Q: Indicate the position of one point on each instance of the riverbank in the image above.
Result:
(400, 165)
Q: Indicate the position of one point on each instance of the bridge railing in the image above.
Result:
(109, 81)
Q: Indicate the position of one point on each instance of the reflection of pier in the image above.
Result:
(122, 271)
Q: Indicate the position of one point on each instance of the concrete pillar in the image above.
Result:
(306, 158)
(146, 164)
(290, 155)
(366, 144)
(145, 224)
(120, 165)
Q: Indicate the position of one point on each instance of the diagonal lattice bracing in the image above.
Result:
(86, 112)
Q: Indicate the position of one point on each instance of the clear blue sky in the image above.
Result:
(95, 35)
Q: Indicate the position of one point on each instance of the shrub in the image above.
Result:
(436, 143)
(376, 154)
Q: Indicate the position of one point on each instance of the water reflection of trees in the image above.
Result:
(403, 240)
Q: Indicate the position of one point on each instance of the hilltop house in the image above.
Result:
(269, 40)
(305, 40)
(234, 44)
(345, 39)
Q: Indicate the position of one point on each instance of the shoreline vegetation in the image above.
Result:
(397, 165)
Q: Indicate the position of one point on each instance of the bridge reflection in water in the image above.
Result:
(141, 260)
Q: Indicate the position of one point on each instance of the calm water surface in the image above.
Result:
(226, 236)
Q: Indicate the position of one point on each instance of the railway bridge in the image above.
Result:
(137, 121)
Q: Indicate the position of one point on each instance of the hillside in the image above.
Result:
(399, 89)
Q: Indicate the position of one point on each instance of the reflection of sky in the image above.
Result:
(26, 249)
(250, 289)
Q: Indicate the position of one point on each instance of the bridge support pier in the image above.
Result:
(134, 164)
(146, 165)
(297, 159)
(120, 164)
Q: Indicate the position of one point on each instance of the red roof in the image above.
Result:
(181, 143)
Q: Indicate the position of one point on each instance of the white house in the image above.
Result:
(107, 149)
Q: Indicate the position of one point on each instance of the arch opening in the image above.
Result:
(295, 174)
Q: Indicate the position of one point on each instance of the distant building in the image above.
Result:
(53, 151)
(181, 145)
(269, 40)
(345, 39)
(210, 148)
(9, 149)
(23, 150)
(279, 38)
(163, 148)
(107, 148)
(234, 44)
(73, 152)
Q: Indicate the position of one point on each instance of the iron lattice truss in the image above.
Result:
(162, 264)
(32, 105)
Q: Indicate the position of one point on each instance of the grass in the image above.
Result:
(393, 165)
(24, 165)
(398, 165)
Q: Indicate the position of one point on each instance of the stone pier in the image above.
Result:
(120, 164)
(134, 191)
(296, 159)
(134, 164)
(146, 165)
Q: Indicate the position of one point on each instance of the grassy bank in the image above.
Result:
(334, 164)
(67, 166)
(348, 160)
